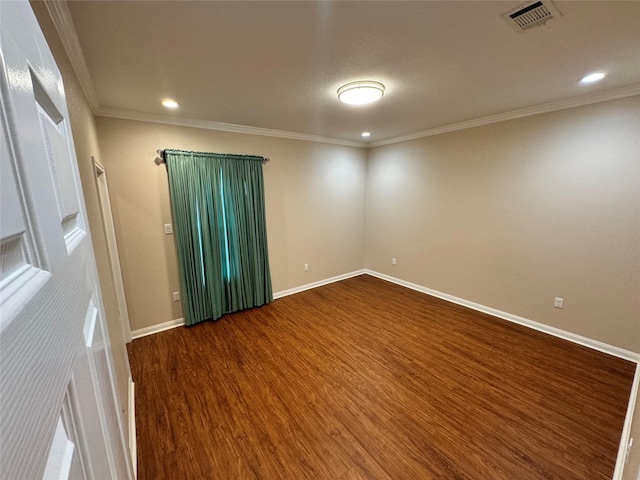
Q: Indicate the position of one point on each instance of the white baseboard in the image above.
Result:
(319, 283)
(160, 327)
(133, 444)
(626, 429)
(178, 322)
(556, 332)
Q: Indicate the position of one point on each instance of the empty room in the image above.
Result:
(320, 240)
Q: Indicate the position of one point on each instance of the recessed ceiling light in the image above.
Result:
(361, 93)
(365, 134)
(592, 77)
(168, 103)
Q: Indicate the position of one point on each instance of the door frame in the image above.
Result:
(102, 187)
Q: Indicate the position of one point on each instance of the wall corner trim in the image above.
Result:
(541, 327)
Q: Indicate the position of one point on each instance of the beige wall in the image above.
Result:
(314, 201)
(86, 145)
(512, 214)
(507, 215)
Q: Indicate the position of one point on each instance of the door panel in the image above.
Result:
(102, 377)
(29, 151)
(20, 277)
(58, 406)
(72, 425)
(55, 138)
(61, 456)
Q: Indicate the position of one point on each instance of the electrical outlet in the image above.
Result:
(176, 296)
(558, 302)
(393, 261)
(306, 267)
(168, 229)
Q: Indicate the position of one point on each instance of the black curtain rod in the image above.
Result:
(162, 158)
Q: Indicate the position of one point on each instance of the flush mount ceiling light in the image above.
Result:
(168, 103)
(365, 134)
(361, 93)
(592, 78)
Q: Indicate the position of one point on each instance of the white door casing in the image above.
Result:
(112, 246)
(59, 411)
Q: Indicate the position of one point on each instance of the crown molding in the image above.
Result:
(564, 104)
(223, 127)
(63, 23)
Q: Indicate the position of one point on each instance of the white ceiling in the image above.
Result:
(277, 65)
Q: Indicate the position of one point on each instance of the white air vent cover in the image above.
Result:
(529, 15)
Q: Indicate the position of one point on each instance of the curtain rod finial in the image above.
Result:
(160, 158)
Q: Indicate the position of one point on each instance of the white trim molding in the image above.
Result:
(626, 429)
(319, 283)
(133, 443)
(221, 127)
(578, 101)
(556, 332)
(63, 23)
(178, 322)
(572, 102)
(541, 327)
(106, 215)
(160, 327)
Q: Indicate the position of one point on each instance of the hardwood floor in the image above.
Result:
(364, 379)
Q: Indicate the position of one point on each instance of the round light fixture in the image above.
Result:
(168, 103)
(592, 77)
(365, 134)
(361, 93)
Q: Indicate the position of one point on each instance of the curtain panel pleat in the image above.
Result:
(220, 229)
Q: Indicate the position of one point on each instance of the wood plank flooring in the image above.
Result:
(364, 379)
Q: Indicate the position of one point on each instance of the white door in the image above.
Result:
(59, 415)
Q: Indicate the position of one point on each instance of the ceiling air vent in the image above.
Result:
(529, 15)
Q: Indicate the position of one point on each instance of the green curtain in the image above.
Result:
(220, 230)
